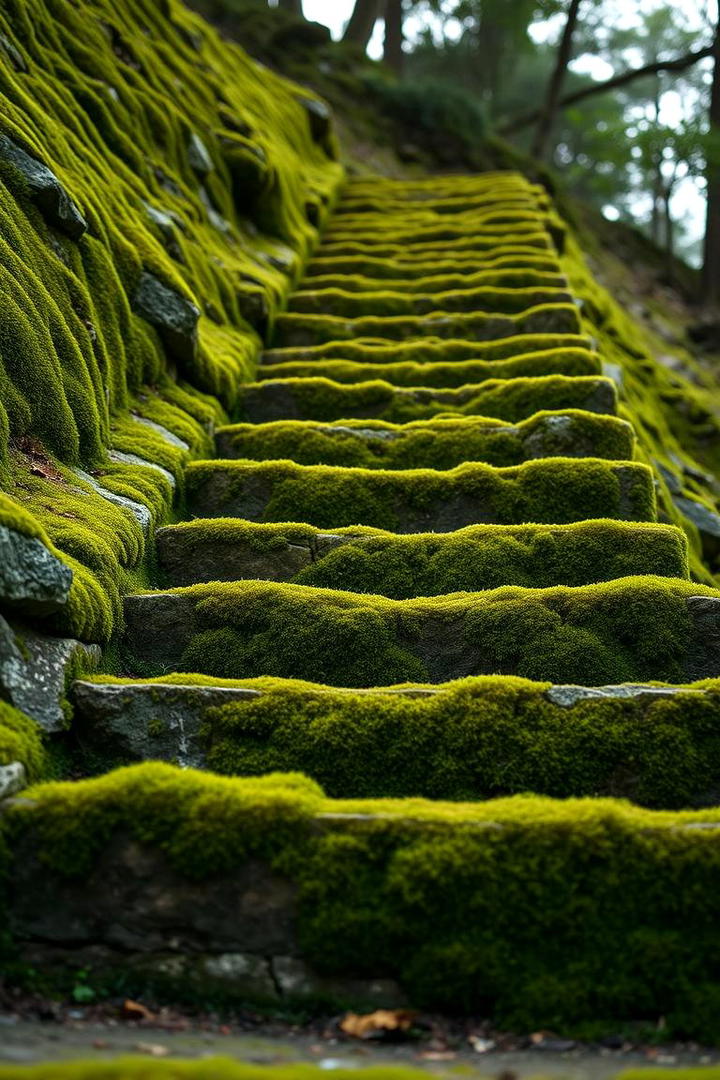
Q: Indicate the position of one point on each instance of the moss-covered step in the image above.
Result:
(436, 282)
(449, 375)
(364, 560)
(355, 305)
(423, 232)
(552, 490)
(475, 738)
(292, 329)
(433, 349)
(439, 443)
(461, 266)
(633, 629)
(313, 398)
(479, 246)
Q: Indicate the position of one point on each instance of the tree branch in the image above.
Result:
(679, 64)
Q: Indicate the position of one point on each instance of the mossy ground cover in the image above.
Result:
(20, 741)
(629, 629)
(136, 1068)
(317, 398)
(364, 560)
(462, 266)
(437, 894)
(503, 278)
(552, 490)
(434, 444)
(355, 305)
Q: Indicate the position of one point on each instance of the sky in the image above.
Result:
(688, 201)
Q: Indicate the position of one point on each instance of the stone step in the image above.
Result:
(437, 283)
(557, 318)
(362, 560)
(460, 740)
(432, 349)
(553, 490)
(420, 231)
(312, 398)
(430, 444)
(407, 267)
(354, 305)
(628, 630)
(263, 888)
(370, 206)
(479, 247)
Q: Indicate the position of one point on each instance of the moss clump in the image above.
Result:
(559, 318)
(629, 629)
(20, 741)
(203, 1069)
(476, 739)
(554, 490)
(438, 894)
(358, 305)
(461, 267)
(434, 444)
(500, 278)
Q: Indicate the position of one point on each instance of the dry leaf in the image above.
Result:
(380, 1022)
(135, 1010)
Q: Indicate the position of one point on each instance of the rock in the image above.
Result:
(199, 156)
(13, 778)
(138, 510)
(45, 189)
(249, 975)
(705, 520)
(122, 458)
(319, 116)
(174, 317)
(13, 55)
(168, 436)
(187, 559)
(703, 653)
(296, 980)
(161, 624)
(168, 224)
(34, 669)
(567, 696)
(614, 372)
(30, 575)
(150, 721)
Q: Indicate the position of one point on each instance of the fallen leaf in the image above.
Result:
(135, 1010)
(153, 1049)
(380, 1022)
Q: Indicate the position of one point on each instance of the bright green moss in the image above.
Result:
(433, 444)
(629, 629)
(359, 267)
(20, 741)
(476, 739)
(199, 1069)
(303, 330)
(553, 490)
(401, 566)
(357, 305)
(510, 279)
(441, 896)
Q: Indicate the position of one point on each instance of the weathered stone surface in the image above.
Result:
(153, 721)
(174, 317)
(168, 436)
(134, 459)
(703, 657)
(187, 558)
(46, 191)
(138, 510)
(13, 55)
(319, 116)
(706, 521)
(30, 575)
(199, 156)
(567, 696)
(161, 625)
(34, 669)
(13, 778)
(296, 980)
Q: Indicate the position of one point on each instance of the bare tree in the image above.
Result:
(392, 50)
(552, 100)
(295, 6)
(360, 26)
(711, 258)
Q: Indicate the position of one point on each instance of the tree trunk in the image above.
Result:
(295, 6)
(711, 259)
(392, 50)
(362, 21)
(549, 112)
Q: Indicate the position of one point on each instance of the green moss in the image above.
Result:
(359, 305)
(198, 1069)
(476, 739)
(20, 741)
(303, 330)
(500, 278)
(359, 267)
(629, 629)
(434, 444)
(442, 896)
(556, 490)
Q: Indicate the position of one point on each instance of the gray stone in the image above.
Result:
(45, 189)
(319, 117)
(122, 458)
(248, 974)
(168, 436)
(174, 317)
(295, 979)
(567, 696)
(614, 372)
(672, 481)
(150, 721)
(199, 156)
(34, 670)
(13, 778)
(188, 558)
(30, 575)
(216, 219)
(703, 652)
(13, 54)
(705, 520)
(139, 511)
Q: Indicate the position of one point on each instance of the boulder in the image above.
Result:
(34, 670)
(30, 575)
(174, 317)
(45, 189)
(13, 778)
